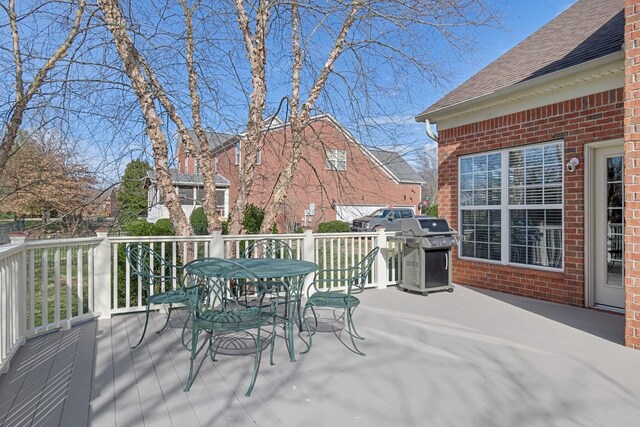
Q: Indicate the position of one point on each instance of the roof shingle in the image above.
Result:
(588, 30)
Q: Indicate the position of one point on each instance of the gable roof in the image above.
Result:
(588, 30)
(396, 165)
(215, 139)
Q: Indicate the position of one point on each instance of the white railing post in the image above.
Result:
(216, 248)
(308, 254)
(18, 237)
(382, 263)
(308, 246)
(102, 276)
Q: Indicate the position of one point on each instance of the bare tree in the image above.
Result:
(428, 169)
(25, 91)
(141, 82)
(339, 54)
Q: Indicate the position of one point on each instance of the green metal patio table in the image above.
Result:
(292, 271)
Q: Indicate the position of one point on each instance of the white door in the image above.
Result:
(609, 227)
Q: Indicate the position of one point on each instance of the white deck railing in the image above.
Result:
(52, 284)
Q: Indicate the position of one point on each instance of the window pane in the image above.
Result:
(494, 162)
(614, 169)
(480, 163)
(553, 174)
(541, 175)
(516, 176)
(480, 197)
(516, 159)
(220, 198)
(480, 180)
(536, 237)
(552, 154)
(475, 175)
(466, 165)
(534, 175)
(481, 240)
(186, 195)
(553, 195)
(533, 156)
(493, 197)
(466, 198)
(466, 182)
(494, 179)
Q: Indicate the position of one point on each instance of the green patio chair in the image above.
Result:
(141, 258)
(232, 328)
(322, 293)
(267, 248)
(276, 248)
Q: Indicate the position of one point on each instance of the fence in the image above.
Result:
(52, 284)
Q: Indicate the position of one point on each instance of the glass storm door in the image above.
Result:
(609, 227)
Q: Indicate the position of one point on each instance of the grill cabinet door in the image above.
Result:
(436, 268)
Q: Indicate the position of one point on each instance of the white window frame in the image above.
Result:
(333, 156)
(505, 208)
(259, 157)
(238, 148)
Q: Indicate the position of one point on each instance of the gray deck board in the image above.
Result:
(471, 358)
(76, 405)
(128, 407)
(103, 397)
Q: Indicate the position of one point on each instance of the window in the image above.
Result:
(186, 195)
(259, 157)
(238, 153)
(511, 206)
(480, 199)
(336, 159)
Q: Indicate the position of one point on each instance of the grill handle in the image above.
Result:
(446, 261)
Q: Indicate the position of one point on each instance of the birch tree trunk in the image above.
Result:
(300, 116)
(256, 48)
(117, 25)
(204, 156)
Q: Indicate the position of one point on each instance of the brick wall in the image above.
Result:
(597, 117)
(632, 172)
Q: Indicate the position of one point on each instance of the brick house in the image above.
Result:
(539, 162)
(337, 178)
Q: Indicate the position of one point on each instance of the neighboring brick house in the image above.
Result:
(535, 222)
(337, 178)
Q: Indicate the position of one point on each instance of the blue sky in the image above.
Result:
(116, 135)
(520, 19)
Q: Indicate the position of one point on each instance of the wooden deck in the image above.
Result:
(467, 358)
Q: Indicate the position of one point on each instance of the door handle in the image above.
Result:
(446, 261)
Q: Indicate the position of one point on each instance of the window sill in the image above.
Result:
(513, 265)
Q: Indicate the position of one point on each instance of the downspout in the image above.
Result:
(427, 128)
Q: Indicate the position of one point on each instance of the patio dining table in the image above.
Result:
(291, 271)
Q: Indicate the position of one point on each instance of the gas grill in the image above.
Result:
(426, 254)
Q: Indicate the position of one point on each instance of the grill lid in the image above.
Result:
(425, 226)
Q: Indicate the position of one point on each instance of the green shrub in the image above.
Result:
(163, 227)
(138, 227)
(432, 210)
(253, 217)
(333, 227)
(199, 222)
